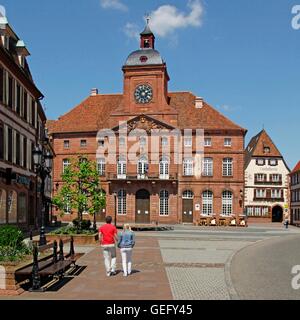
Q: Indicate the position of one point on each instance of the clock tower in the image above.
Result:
(146, 81)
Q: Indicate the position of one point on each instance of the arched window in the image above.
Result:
(122, 202)
(142, 167)
(101, 167)
(164, 203)
(227, 198)
(122, 167)
(12, 206)
(164, 168)
(188, 167)
(22, 208)
(2, 206)
(207, 203)
(188, 194)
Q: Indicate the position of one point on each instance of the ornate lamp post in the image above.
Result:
(43, 166)
(115, 198)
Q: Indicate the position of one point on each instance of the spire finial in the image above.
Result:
(148, 17)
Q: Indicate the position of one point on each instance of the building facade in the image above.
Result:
(266, 181)
(22, 122)
(295, 195)
(165, 157)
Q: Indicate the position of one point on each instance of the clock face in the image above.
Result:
(143, 94)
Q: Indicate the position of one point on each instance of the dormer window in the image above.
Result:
(6, 42)
(22, 61)
(267, 149)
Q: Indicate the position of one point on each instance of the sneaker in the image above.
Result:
(113, 273)
(108, 274)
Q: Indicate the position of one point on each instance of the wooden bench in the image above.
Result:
(55, 266)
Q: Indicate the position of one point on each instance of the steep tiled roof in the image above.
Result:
(204, 118)
(297, 168)
(89, 116)
(93, 113)
(257, 145)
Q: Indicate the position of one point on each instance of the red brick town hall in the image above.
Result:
(162, 191)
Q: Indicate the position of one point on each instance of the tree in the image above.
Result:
(80, 189)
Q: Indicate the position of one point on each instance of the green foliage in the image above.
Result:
(82, 225)
(12, 247)
(81, 189)
(11, 236)
(70, 230)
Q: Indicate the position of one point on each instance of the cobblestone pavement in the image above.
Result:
(189, 263)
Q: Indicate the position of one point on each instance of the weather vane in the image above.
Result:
(148, 17)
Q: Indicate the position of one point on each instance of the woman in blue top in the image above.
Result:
(126, 244)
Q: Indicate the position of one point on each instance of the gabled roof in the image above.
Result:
(257, 145)
(297, 168)
(144, 122)
(93, 114)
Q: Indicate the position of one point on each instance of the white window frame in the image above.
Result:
(207, 203)
(227, 203)
(164, 203)
(208, 167)
(188, 142)
(227, 167)
(122, 202)
(66, 163)
(207, 142)
(142, 167)
(122, 168)
(227, 142)
(101, 167)
(164, 168)
(188, 167)
(260, 193)
(66, 144)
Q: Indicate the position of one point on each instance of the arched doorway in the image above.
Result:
(100, 216)
(142, 206)
(187, 206)
(277, 214)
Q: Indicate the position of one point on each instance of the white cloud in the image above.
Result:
(132, 30)
(113, 4)
(167, 18)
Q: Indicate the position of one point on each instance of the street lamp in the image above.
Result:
(42, 160)
(115, 198)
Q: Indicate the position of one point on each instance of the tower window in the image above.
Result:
(146, 43)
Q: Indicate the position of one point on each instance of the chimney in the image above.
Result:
(199, 103)
(94, 92)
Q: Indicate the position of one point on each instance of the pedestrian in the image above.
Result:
(108, 238)
(126, 244)
(286, 220)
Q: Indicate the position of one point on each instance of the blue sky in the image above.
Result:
(242, 56)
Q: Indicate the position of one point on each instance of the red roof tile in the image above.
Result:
(297, 168)
(93, 114)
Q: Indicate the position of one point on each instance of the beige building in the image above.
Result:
(266, 181)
